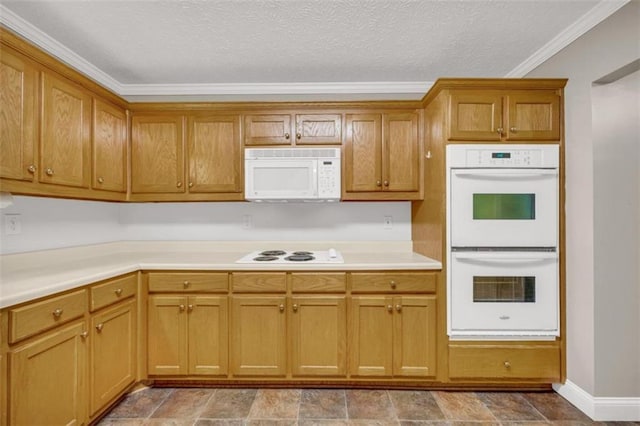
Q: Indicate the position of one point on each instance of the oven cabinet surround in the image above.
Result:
(382, 156)
(53, 119)
(485, 111)
(313, 128)
(74, 352)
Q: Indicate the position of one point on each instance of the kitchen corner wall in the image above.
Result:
(49, 223)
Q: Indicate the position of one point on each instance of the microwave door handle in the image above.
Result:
(315, 180)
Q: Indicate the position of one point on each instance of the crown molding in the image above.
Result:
(593, 17)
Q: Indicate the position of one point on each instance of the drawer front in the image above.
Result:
(112, 291)
(393, 282)
(210, 282)
(259, 282)
(317, 283)
(33, 318)
(504, 362)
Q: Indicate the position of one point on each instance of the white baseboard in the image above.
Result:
(600, 408)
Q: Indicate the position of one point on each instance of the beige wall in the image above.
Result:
(607, 47)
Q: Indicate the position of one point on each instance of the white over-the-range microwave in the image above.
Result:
(292, 174)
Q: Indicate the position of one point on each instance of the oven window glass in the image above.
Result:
(504, 206)
(504, 289)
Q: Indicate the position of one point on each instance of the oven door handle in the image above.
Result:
(533, 256)
(510, 173)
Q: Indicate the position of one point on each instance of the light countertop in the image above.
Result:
(28, 276)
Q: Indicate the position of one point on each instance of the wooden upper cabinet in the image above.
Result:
(293, 129)
(157, 154)
(18, 106)
(109, 147)
(382, 156)
(215, 154)
(485, 115)
(267, 129)
(66, 133)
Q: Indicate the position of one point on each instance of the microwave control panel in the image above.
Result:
(329, 178)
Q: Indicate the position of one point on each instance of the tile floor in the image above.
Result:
(306, 407)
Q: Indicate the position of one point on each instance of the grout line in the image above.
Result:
(161, 402)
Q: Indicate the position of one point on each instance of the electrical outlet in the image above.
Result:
(12, 224)
(388, 222)
(247, 221)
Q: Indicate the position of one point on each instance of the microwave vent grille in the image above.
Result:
(293, 153)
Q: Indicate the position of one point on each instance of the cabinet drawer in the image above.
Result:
(260, 282)
(393, 282)
(112, 291)
(33, 318)
(305, 283)
(188, 282)
(504, 362)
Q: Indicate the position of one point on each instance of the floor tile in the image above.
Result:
(229, 404)
(369, 404)
(183, 404)
(554, 407)
(218, 422)
(275, 404)
(463, 406)
(271, 422)
(323, 404)
(509, 406)
(415, 405)
(140, 404)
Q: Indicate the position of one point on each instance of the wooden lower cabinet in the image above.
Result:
(47, 379)
(319, 336)
(258, 336)
(393, 336)
(113, 353)
(187, 335)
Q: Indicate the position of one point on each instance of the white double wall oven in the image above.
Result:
(502, 245)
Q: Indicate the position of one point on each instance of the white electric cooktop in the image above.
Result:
(292, 256)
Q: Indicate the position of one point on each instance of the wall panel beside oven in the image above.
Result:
(502, 245)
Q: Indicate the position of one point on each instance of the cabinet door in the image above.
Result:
(371, 336)
(267, 129)
(215, 154)
(401, 162)
(157, 154)
(475, 116)
(363, 153)
(18, 106)
(258, 336)
(66, 133)
(113, 353)
(53, 369)
(325, 129)
(318, 336)
(109, 147)
(414, 334)
(167, 335)
(208, 335)
(533, 116)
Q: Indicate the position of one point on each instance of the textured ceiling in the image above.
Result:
(289, 41)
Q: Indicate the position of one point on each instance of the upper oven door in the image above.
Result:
(281, 179)
(504, 207)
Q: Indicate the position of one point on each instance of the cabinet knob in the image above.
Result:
(57, 313)
(378, 183)
(100, 179)
(179, 184)
(398, 308)
(393, 284)
(281, 307)
(84, 334)
(386, 183)
(500, 130)
(31, 168)
(118, 291)
(299, 135)
(190, 184)
(99, 327)
(295, 307)
(186, 284)
(190, 308)
(49, 172)
(513, 130)
(389, 308)
(181, 307)
(287, 136)
(507, 364)
(428, 155)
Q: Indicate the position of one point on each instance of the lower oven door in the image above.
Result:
(503, 294)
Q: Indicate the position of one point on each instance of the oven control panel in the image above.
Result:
(508, 156)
